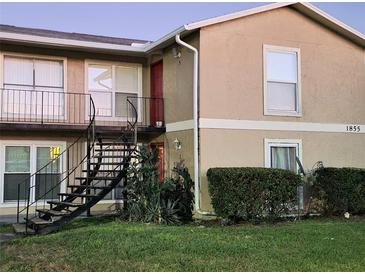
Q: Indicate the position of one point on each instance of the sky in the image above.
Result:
(148, 21)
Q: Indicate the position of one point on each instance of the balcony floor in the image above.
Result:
(62, 128)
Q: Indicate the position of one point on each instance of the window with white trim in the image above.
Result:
(33, 86)
(23, 158)
(282, 154)
(111, 84)
(282, 81)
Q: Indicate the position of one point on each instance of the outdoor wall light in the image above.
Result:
(177, 144)
(176, 52)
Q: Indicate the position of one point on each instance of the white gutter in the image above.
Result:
(196, 126)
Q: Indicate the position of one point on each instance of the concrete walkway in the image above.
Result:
(10, 219)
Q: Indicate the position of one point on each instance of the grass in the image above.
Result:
(109, 245)
(5, 228)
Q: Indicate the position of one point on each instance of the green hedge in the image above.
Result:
(251, 193)
(340, 190)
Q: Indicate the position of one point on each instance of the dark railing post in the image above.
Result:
(17, 209)
(42, 108)
(27, 214)
(88, 147)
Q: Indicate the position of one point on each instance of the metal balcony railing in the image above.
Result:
(49, 107)
(44, 107)
(150, 111)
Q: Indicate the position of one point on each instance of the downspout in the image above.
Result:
(196, 126)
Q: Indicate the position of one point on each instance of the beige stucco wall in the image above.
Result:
(242, 148)
(178, 81)
(231, 87)
(231, 68)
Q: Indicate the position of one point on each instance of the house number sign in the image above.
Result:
(353, 128)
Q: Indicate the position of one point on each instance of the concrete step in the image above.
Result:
(20, 229)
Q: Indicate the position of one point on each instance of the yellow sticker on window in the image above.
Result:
(54, 152)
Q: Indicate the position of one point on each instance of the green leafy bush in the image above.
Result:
(178, 188)
(149, 200)
(251, 193)
(341, 190)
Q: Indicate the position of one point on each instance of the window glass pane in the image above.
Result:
(45, 155)
(283, 158)
(122, 107)
(11, 182)
(18, 71)
(47, 186)
(126, 79)
(103, 103)
(281, 66)
(17, 159)
(281, 96)
(48, 73)
(99, 77)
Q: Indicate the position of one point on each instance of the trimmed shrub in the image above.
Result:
(340, 190)
(252, 193)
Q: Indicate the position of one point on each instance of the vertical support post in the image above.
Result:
(88, 147)
(42, 109)
(17, 209)
(27, 215)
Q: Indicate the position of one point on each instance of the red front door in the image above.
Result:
(156, 104)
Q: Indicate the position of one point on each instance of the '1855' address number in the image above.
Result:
(353, 128)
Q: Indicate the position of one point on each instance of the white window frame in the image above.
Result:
(33, 164)
(269, 143)
(298, 112)
(113, 117)
(4, 54)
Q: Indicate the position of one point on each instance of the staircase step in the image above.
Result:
(97, 178)
(90, 187)
(81, 195)
(104, 170)
(39, 221)
(52, 212)
(108, 164)
(65, 204)
(108, 156)
(21, 229)
(112, 149)
(106, 143)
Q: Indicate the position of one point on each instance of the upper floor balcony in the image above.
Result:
(31, 109)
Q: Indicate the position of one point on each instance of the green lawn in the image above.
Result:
(108, 245)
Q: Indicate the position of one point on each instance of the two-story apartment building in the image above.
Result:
(254, 88)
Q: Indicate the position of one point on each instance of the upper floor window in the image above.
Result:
(32, 73)
(111, 84)
(282, 81)
(32, 87)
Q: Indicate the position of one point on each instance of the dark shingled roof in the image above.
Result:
(71, 35)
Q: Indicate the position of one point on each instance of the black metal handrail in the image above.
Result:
(150, 111)
(90, 155)
(88, 134)
(43, 107)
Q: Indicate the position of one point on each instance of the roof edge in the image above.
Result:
(236, 15)
(305, 8)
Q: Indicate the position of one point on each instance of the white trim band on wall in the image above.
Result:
(182, 125)
(281, 126)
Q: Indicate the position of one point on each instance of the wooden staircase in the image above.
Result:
(103, 167)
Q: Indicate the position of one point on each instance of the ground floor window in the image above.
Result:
(23, 158)
(282, 153)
